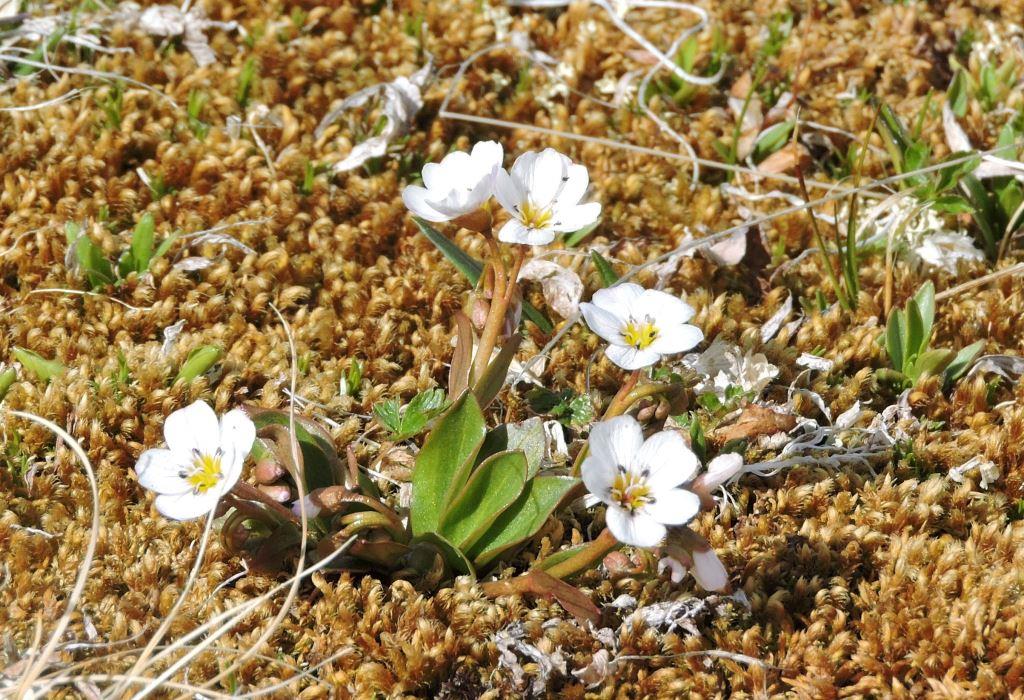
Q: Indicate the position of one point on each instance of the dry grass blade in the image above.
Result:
(36, 667)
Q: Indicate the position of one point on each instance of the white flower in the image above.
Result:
(640, 324)
(946, 249)
(639, 480)
(456, 186)
(723, 365)
(542, 192)
(201, 463)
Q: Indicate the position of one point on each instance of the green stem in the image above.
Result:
(586, 558)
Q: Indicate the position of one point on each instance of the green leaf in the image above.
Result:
(165, 245)
(38, 365)
(463, 262)
(492, 488)
(142, 244)
(772, 139)
(410, 421)
(97, 269)
(472, 268)
(894, 341)
(930, 362)
(924, 300)
(7, 378)
(493, 378)
(576, 237)
(321, 465)
(566, 406)
(523, 519)
(963, 360)
(199, 362)
(527, 436)
(451, 554)
(604, 268)
(444, 463)
(914, 343)
(957, 94)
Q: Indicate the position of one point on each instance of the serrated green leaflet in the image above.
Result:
(444, 463)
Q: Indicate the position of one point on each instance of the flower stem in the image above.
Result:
(246, 492)
(619, 404)
(586, 558)
(496, 313)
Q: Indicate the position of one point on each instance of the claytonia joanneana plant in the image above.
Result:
(640, 325)
(201, 463)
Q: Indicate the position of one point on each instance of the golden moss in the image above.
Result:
(901, 584)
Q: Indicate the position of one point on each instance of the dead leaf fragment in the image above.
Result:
(754, 422)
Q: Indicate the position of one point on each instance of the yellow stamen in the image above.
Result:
(630, 490)
(639, 335)
(205, 472)
(534, 217)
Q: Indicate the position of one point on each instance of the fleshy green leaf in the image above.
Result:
(321, 465)
(604, 268)
(522, 519)
(930, 362)
(962, 361)
(488, 385)
(7, 378)
(38, 365)
(97, 269)
(444, 463)
(894, 341)
(492, 488)
(463, 262)
(527, 436)
(199, 362)
(454, 558)
(924, 299)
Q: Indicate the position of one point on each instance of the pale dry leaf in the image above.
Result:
(562, 287)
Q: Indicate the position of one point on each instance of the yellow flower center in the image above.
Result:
(534, 217)
(630, 490)
(639, 335)
(205, 472)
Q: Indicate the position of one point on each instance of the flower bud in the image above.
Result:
(267, 471)
(278, 492)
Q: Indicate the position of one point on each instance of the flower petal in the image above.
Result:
(618, 299)
(674, 507)
(194, 427)
(638, 528)
(615, 441)
(666, 309)
(676, 338)
(709, 571)
(237, 434)
(545, 177)
(487, 156)
(668, 460)
(508, 192)
(628, 357)
(433, 177)
(598, 472)
(574, 187)
(416, 200)
(186, 506)
(602, 322)
(721, 469)
(574, 218)
(514, 232)
(158, 470)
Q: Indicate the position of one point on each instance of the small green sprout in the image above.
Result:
(404, 422)
(352, 382)
(199, 362)
(907, 339)
(245, 81)
(196, 103)
(37, 365)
